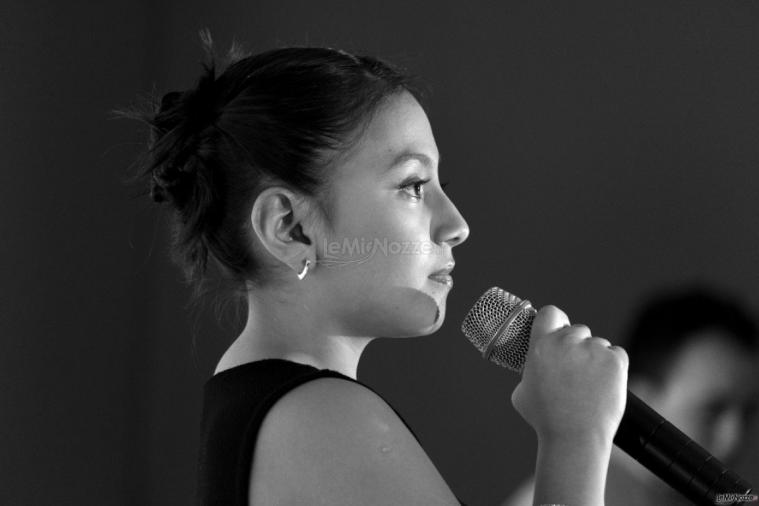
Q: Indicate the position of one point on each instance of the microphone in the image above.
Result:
(499, 326)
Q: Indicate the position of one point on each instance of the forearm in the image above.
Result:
(571, 472)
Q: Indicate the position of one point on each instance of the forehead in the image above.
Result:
(399, 126)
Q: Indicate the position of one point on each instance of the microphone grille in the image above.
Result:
(499, 326)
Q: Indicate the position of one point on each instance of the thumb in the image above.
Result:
(547, 320)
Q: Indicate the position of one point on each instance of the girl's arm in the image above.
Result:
(571, 472)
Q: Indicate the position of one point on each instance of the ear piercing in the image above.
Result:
(302, 274)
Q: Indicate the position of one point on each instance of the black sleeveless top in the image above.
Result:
(235, 402)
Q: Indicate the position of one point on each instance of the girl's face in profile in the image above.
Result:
(392, 228)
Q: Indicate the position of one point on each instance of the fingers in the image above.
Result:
(599, 341)
(571, 381)
(576, 331)
(552, 320)
(606, 346)
(621, 355)
(548, 319)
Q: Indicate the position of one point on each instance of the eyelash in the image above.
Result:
(420, 183)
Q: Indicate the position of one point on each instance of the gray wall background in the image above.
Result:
(597, 149)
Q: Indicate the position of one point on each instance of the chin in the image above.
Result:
(437, 321)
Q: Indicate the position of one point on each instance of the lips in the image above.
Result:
(443, 276)
(444, 279)
(446, 271)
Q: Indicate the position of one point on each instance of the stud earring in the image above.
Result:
(302, 274)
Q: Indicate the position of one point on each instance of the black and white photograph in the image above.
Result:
(379, 253)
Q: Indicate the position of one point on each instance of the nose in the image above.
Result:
(450, 227)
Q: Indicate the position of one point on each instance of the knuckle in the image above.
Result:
(622, 356)
(601, 341)
(616, 360)
(592, 344)
(581, 330)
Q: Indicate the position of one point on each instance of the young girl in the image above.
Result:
(275, 169)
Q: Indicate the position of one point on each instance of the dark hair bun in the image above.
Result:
(177, 128)
(166, 175)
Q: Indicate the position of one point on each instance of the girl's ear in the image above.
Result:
(278, 217)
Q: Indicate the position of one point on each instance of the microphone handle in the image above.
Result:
(675, 458)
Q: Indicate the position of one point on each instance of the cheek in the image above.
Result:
(390, 245)
(372, 210)
(384, 292)
(382, 223)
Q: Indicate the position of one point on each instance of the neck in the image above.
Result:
(286, 324)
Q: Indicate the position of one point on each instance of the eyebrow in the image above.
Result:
(407, 155)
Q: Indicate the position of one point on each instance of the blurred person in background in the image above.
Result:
(693, 355)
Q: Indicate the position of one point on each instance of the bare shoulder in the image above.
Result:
(334, 441)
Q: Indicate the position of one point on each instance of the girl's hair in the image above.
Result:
(278, 117)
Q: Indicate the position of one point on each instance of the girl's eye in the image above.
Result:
(417, 187)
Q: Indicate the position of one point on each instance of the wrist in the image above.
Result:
(567, 440)
(571, 470)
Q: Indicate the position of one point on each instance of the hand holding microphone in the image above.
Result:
(573, 385)
(502, 327)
